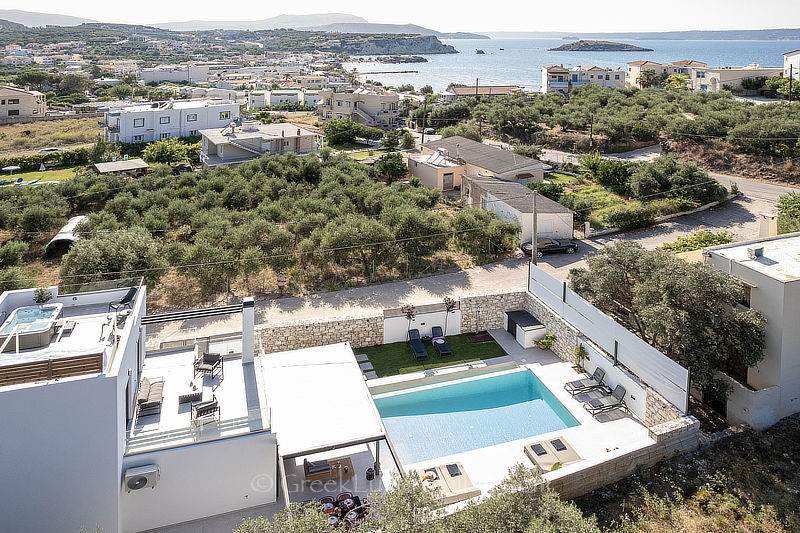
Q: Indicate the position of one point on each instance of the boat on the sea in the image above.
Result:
(479, 51)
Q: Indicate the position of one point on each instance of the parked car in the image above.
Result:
(50, 150)
(548, 246)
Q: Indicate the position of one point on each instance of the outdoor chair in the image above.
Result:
(317, 470)
(415, 342)
(209, 364)
(126, 301)
(587, 384)
(150, 396)
(610, 402)
(343, 496)
(206, 411)
(439, 341)
(325, 499)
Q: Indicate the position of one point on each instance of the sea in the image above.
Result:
(520, 61)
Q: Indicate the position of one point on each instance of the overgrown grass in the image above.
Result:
(561, 179)
(358, 156)
(397, 357)
(348, 146)
(16, 138)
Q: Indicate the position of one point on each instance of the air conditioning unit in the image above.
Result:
(754, 252)
(141, 477)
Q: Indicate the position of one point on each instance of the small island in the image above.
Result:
(401, 59)
(599, 46)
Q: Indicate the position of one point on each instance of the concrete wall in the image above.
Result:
(202, 480)
(359, 331)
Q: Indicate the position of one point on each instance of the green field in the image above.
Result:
(358, 156)
(52, 174)
(348, 146)
(397, 358)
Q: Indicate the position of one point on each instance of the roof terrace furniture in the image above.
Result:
(209, 364)
(206, 411)
(545, 455)
(610, 402)
(150, 396)
(439, 341)
(415, 342)
(317, 470)
(587, 384)
(126, 301)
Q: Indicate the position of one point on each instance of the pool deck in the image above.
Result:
(594, 439)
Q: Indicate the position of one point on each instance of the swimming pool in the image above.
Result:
(426, 423)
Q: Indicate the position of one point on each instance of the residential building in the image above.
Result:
(262, 99)
(769, 269)
(513, 202)
(791, 64)
(165, 120)
(556, 78)
(233, 144)
(451, 94)
(700, 76)
(17, 102)
(440, 164)
(370, 106)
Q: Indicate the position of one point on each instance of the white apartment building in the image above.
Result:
(700, 76)
(770, 271)
(365, 105)
(557, 78)
(165, 120)
(791, 64)
(262, 99)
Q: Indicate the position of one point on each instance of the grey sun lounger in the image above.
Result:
(615, 400)
(587, 384)
(415, 342)
(439, 341)
(546, 454)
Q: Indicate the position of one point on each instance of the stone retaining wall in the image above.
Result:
(486, 311)
(658, 410)
(566, 335)
(672, 438)
(359, 331)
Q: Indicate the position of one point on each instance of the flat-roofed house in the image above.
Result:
(791, 64)
(556, 78)
(18, 102)
(233, 145)
(451, 94)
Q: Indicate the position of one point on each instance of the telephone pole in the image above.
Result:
(791, 79)
(591, 130)
(424, 113)
(535, 240)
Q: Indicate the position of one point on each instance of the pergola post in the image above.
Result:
(377, 457)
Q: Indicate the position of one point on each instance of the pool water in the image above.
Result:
(439, 421)
(28, 315)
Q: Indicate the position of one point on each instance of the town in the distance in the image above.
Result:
(254, 280)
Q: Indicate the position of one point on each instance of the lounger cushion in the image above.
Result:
(538, 449)
(558, 445)
(144, 391)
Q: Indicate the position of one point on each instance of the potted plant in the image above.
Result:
(41, 296)
(580, 355)
(546, 342)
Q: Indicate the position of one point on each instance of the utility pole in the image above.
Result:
(476, 89)
(534, 239)
(424, 113)
(591, 130)
(791, 78)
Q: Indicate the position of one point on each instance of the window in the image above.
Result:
(574, 77)
(2, 102)
(616, 77)
(193, 133)
(163, 120)
(138, 138)
(164, 136)
(223, 115)
(191, 117)
(338, 103)
(138, 123)
(13, 101)
(13, 112)
(701, 74)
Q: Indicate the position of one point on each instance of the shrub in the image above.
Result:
(631, 217)
(462, 130)
(11, 253)
(697, 241)
(549, 190)
(528, 150)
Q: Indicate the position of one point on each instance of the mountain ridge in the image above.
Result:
(36, 19)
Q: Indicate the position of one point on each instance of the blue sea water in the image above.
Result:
(440, 421)
(521, 60)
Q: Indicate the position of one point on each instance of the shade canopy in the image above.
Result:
(319, 400)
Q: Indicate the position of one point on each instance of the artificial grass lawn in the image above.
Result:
(52, 174)
(397, 358)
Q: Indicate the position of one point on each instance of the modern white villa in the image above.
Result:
(770, 271)
(116, 431)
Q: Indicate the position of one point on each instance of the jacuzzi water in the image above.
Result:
(30, 318)
(452, 418)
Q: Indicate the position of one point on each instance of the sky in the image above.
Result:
(463, 15)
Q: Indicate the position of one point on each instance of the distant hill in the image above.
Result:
(781, 34)
(598, 46)
(8, 25)
(368, 27)
(34, 19)
(281, 21)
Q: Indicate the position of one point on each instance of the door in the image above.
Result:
(447, 182)
(512, 327)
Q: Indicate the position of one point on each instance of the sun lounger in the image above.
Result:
(587, 384)
(452, 481)
(126, 301)
(439, 341)
(3, 182)
(546, 454)
(415, 342)
(613, 401)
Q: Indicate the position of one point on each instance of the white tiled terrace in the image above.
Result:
(236, 391)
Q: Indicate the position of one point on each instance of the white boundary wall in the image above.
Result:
(667, 377)
(395, 329)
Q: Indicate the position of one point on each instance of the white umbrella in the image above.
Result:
(11, 169)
